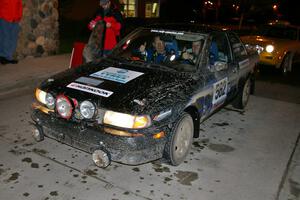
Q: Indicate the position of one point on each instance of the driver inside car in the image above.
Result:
(156, 54)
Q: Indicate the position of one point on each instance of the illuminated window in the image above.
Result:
(128, 8)
(151, 10)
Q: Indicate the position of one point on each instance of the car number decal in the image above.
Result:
(117, 74)
(90, 89)
(220, 91)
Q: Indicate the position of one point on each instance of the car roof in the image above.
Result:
(189, 27)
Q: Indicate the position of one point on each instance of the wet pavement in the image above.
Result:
(249, 155)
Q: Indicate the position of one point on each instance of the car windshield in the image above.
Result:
(279, 32)
(163, 49)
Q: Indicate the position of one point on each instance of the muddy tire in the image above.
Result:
(286, 65)
(243, 95)
(180, 140)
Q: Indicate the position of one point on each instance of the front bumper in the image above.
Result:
(127, 150)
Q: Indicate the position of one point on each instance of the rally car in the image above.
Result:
(277, 43)
(129, 109)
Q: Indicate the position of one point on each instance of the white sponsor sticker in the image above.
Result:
(244, 63)
(90, 89)
(117, 74)
(220, 91)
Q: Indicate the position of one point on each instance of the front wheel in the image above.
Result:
(180, 140)
(243, 95)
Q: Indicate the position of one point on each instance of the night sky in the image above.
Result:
(255, 11)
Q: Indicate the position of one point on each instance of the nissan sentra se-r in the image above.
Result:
(134, 106)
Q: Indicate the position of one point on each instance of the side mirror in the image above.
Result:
(219, 66)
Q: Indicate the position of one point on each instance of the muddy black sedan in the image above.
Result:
(147, 99)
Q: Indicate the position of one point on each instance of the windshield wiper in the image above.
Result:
(120, 59)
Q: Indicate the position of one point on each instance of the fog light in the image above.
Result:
(37, 133)
(50, 101)
(64, 107)
(101, 158)
(87, 109)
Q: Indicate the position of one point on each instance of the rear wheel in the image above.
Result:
(180, 140)
(243, 95)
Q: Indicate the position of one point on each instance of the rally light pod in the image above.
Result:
(64, 107)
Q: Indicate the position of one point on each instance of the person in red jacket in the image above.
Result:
(10, 16)
(113, 24)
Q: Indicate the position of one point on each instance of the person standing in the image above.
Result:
(113, 24)
(10, 16)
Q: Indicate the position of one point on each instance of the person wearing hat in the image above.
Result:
(113, 24)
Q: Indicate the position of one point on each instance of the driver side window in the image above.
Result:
(219, 49)
(219, 52)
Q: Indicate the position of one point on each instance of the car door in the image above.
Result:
(220, 61)
(240, 62)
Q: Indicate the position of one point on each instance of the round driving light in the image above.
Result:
(64, 107)
(37, 133)
(87, 109)
(101, 158)
(50, 101)
(269, 48)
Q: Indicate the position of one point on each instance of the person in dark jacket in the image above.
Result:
(10, 16)
(113, 24)
(191, 57)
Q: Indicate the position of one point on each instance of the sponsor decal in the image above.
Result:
(167, 32)
(220, 91)
(244, 63)
(90, 89)
(117, 74)
(89, 81)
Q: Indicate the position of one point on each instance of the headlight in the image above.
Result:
(269, 48)
(40, 95)
(87, 109)
(50, 101)
(126, 121)
(45, 98)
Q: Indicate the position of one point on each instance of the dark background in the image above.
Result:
(75, 15)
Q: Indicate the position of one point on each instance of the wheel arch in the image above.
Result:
(192, 110)
(287, 52)
(243, 79)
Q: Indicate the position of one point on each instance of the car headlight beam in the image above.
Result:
(126, 121)
(269, 48)
(87, 109)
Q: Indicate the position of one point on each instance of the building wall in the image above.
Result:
(39, 35)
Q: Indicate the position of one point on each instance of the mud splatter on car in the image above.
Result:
(147, 99)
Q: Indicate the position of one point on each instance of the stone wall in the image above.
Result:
(39, 35)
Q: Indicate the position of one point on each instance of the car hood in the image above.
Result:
(263, 40)
(148, 87)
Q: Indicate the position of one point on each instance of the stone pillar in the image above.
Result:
(39, 35)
